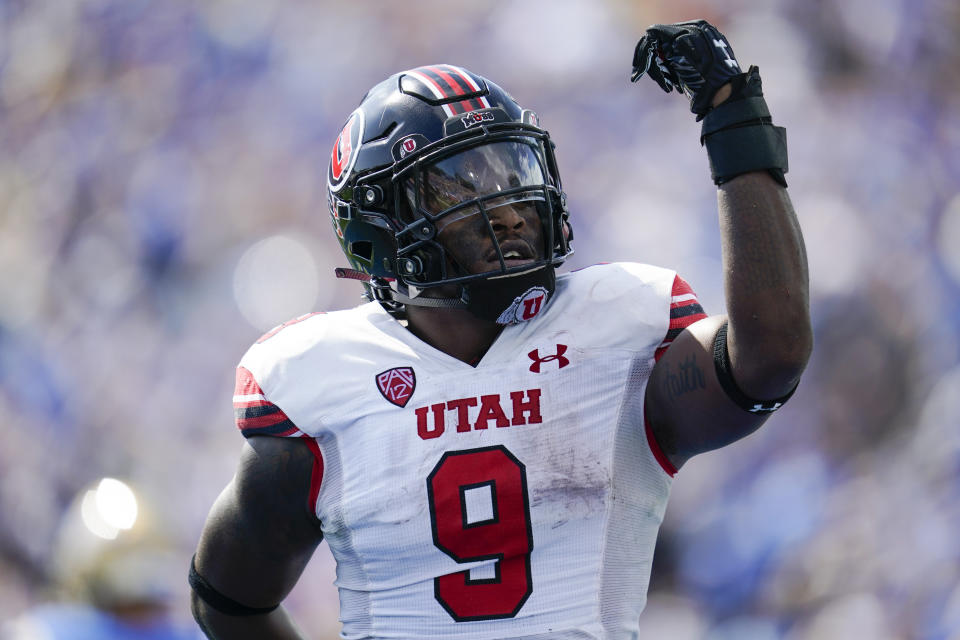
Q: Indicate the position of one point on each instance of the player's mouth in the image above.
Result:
(515, 253)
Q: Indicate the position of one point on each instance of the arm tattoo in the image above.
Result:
(688, 377)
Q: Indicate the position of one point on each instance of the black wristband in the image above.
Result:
(740, 150)
(747, 111)
(739, 135)
(217, 600)
(721, 362)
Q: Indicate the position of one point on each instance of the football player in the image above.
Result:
(487, 446)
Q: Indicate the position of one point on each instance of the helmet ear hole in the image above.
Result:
(362, 249)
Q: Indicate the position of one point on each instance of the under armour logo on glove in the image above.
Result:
(691, 57)
(728, 59)
(558, 356)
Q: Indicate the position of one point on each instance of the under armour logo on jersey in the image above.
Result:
(397, 385)
(558, 356)
(720, 44)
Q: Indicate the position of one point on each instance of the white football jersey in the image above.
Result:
(520, 497)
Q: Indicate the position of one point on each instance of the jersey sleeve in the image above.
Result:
(255, 414)
(684, 311)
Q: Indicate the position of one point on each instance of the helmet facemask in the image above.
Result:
(481, 216)
(471, 197)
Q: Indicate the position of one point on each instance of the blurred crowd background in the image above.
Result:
(162, 203)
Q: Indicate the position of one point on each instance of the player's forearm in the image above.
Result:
(766, 285)
(277, 625)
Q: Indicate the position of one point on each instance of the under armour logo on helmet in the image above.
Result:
(558, 356)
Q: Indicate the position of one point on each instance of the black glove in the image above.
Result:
(691, 57)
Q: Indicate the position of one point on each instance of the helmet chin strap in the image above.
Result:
(423, 301)
(396, 296)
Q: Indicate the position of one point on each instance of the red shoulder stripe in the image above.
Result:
(274, 418)
(684, 321)
(680, 286)
(254, 414)
(246, 384)
(684, 311)
(691, 309)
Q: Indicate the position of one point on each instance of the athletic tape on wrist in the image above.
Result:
(220, 602)
(740, 150)
(739, 112)
(739, 135)
(721, 362)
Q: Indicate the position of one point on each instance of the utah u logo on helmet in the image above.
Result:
(345, 151)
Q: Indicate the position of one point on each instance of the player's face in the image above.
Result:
(518, 230)
(483, 198)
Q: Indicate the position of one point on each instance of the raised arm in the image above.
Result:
(692, 405)
(256, 542)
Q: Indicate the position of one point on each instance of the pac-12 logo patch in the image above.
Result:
(524, 307)
(345, 151)
(397, 385)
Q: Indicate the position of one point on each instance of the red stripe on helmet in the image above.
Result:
(423, 75)
(473, 86)
(460, 86)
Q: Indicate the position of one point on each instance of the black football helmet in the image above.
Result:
(427, 147)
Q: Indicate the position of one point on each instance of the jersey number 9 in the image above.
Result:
(479, 510)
